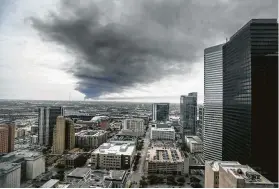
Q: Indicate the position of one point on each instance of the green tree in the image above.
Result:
(142, 183)
(181, 179)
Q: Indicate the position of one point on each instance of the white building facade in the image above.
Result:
(10, 174)
(194, 143)
(162, 133)
(35, 166)
(134, 125)
(114, 156)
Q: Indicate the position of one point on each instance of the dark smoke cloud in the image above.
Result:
(153, 39)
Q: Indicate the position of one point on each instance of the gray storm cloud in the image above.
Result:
(151, 40)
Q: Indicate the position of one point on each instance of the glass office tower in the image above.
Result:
(160, 112)
(213, 103)
(188, 113)
(250, 97)
(47, 120)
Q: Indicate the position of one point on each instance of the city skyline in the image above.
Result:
(44, 68)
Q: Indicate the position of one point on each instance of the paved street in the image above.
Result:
(136, 175)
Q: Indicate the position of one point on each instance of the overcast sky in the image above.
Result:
(135, 50)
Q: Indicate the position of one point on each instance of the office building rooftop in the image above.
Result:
(165, 155)
(116, 149)
(79, 172)
(7, 167)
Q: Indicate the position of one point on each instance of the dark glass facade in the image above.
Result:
(188, 113)
(47, 120)
(213, 103)
(250, 97)
(161, 112)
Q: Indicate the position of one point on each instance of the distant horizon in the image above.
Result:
(126, 101)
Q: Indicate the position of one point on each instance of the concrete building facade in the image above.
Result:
(162, 133)
(35, 166)
(4, 138)
(228, 174)
(90, 138)
(59, 136)
(10, 135)
(167, 161)
(10, 175)
(114, 156)
(194, 143)
(69, 134)
(135, 125)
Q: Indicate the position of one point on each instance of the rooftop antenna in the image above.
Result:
(226, 39)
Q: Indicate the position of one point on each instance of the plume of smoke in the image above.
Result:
(152, 40)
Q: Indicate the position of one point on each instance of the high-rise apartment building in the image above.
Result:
(47, 120)
(59, 136)
(8, 134)
(4, 138)
(69, 135)
(160, 112)
(250, 97)
(188, 113)
(213, 103)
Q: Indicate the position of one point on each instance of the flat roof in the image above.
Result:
(114, 148)
(215, 164)
(193, 139)
(246, 173)
(7, 167)
(91, 133)
(79, 172)
(162, 154)
(162, 129)
(50, 183)
(116, 175)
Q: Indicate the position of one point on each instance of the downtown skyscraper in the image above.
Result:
(188, 113)
(213, 103)
(250, 97)
(46, 121)
(160, 112)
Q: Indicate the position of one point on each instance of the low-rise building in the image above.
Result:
(32, 163)
(163, 160)
(52, 183)
(10, 175)
(123, 139)
(135, 127)
(90, 138)
(34, 139)
(231, 174)
(114, 156)
(117, 177)
(194, 143)
(20, 132)
(34, 130)
(73, 160)
(101, 122)
(79, 174)
(162, 133)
